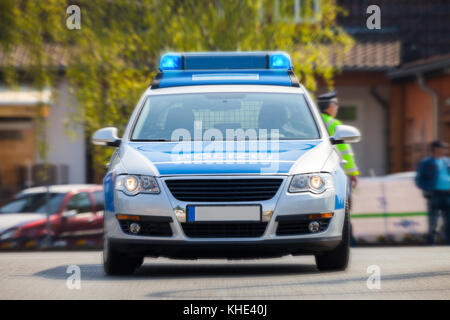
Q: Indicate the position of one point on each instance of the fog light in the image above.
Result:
(180, 214)
(267, 215)
(314, 226)
(135, 228)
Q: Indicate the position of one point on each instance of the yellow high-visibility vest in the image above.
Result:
(345, 149)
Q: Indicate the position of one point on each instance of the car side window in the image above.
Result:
(99, 200)
(80, 202)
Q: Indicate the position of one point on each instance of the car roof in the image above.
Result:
(63, 188)
(225, 88)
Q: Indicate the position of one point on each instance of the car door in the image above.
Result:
(99, 199)
(79, 218)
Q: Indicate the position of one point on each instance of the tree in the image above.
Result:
(113, 57)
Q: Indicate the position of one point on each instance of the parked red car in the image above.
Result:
(76, 217)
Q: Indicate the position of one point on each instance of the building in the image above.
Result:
(420, 109)
(20, 164)
(364, 97)
(394, 82)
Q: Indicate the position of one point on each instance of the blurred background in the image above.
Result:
(68, 68)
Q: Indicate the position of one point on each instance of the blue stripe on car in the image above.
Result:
(108, 186)
(224, 168)
(340, 183)
(280, 160)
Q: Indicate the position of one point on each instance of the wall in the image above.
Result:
(441, 85)
(65, 150)
(411, 117)
(370, 153)
(354, 89)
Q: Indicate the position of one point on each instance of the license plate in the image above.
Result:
(223, 213)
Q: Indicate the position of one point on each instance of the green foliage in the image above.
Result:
(113, 57)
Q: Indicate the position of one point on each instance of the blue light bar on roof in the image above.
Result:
(206, 77)
(225, 60)
(280, 60)
(225, 68)
(171, 61)
(257, 60)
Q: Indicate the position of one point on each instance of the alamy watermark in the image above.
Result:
(73, 21)
(374, 280)
(74, 280)
(374, 20)
(238, 146)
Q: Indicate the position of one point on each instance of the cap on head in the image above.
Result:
(325, 99)
(438, 144)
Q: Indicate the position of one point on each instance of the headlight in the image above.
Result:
(134, 184)
(8, 234)
(312, 182)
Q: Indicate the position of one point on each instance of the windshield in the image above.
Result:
(33, 203)
(193, 116)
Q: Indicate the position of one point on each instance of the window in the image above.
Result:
(347, 113)
(34, 203)
(298, 11)
(80, 202)
(99, 197)
(11, 135)
(196, 113)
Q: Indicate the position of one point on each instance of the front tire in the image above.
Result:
(117, 263)
(337, 259)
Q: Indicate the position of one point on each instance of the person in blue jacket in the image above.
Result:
(433, 177)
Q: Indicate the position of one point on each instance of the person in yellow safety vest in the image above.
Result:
(328, 105)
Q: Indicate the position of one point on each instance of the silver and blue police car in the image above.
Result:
(225, 156)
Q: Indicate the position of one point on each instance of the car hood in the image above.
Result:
(196, 158)
(11, 220)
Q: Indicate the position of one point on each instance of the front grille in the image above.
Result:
(148, 228)
(224, 230)
(223, 190)
(291, 227)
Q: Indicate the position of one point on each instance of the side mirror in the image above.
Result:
(345, 134)
(69, 213)
(106, 137)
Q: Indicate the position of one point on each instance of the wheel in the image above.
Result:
(117, 263)
(337, 259)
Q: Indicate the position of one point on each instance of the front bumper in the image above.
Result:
(268, 244)
(219, 249)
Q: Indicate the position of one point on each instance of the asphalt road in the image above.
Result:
(406, 273)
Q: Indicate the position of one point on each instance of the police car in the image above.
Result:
(225, 156)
